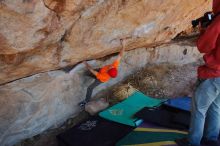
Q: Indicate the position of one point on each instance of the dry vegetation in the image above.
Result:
(162, 81)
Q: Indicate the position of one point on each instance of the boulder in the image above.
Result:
(43, 35)
(45, 100)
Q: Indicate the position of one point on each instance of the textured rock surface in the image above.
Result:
(37, 36)
(41, 35)
(36, 103)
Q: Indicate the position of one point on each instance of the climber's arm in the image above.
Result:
(90, 68)
(122, 50)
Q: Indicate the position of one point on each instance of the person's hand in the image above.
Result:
(85, 63)
(122, 49)
(122, 43)
(90, 68)
(123, 46)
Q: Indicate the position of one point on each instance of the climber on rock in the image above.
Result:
(103, 75)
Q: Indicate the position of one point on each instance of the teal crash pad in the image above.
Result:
(124, 111)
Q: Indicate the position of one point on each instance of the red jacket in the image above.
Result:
(209, 44)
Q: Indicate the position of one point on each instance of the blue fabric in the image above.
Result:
(205, 109)
(183, 103)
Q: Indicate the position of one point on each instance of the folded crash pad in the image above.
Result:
(95, 131)
(148, 134)
(166, 116)
(124, 111)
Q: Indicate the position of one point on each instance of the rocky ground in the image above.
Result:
(159, 81)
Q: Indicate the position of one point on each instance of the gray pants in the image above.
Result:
(90, 89)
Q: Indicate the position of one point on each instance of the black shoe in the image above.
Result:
(183, 142)
(82, 104)
(211, 142)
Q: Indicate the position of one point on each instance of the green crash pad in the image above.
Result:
(123, 112)
(151, 135)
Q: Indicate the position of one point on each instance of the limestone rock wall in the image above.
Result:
(42, 35)
(36, 103)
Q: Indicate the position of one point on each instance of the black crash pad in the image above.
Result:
(166, 116)
(95, 131)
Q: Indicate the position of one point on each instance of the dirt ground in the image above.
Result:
(159, 81)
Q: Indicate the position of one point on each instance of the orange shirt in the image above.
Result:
(103, 75)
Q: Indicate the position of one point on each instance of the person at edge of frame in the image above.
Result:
(205, 115)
